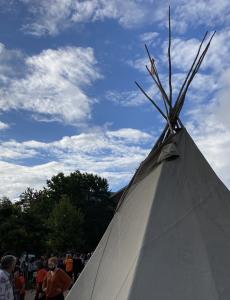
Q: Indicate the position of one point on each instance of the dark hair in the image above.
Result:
(40, 265)
(7, 261)
(17, 269)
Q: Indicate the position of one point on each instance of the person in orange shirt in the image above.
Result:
(69, 265)
(56, 281)
(41, 274)
(19, 281)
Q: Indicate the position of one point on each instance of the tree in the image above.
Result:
(20, 230)
(71, 212)
(36, 201)
(90, 194)
(65, 224)
(80, 187)
(11, 233)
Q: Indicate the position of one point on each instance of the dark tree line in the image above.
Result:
(70, 213)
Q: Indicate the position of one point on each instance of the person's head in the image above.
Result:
(8, 263)
(52, 263)
(39, 265)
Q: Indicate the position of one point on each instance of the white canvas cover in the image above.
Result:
(169, 239)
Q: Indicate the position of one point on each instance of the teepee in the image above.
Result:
(170, 236)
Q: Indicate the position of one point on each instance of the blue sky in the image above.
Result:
(68, 99)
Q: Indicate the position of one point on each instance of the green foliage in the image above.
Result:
(90, 194)
(10, 227)
(65, 223)
(19, 230)
(70, 213)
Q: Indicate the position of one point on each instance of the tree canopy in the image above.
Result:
(70, 214)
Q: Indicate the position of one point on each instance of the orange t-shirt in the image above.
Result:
(69, 265)
(20, 284)
(56, 282)
(41, 274)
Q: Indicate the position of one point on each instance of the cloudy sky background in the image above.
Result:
(67, 94)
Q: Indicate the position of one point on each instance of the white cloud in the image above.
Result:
(191, 14)
(222, 105)
(211, 135)
(151, 38)
(207, 119)
(16, 178)
(52, 17)
(11, 62)
(52, 84)
(140, 63)
(14, 150)
(127, 98)
(217, 57)
(129, 135)
(3, 125)
(114, 154)
(128, 13)
(212, 76)
(184, 51)
(209, 124)
(207, 12)
(136, 97)
(206, 82)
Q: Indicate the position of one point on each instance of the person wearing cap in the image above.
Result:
(56, 281)
(8, 263)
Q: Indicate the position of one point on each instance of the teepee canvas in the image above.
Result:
(170, 236)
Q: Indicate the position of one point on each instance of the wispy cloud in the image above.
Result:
(49, 18)
(114, 154)
(50, 84)
(12, 64)
(208, 119)
(211, 134)
(206, 83)
(126, 98)
(3, 125)
(134, 98)
(151, 38)
(208, 12)
(184, 51)
(139, 63)
(16, 178)
(191, 14)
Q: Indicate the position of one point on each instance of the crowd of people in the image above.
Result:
(49, 276)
